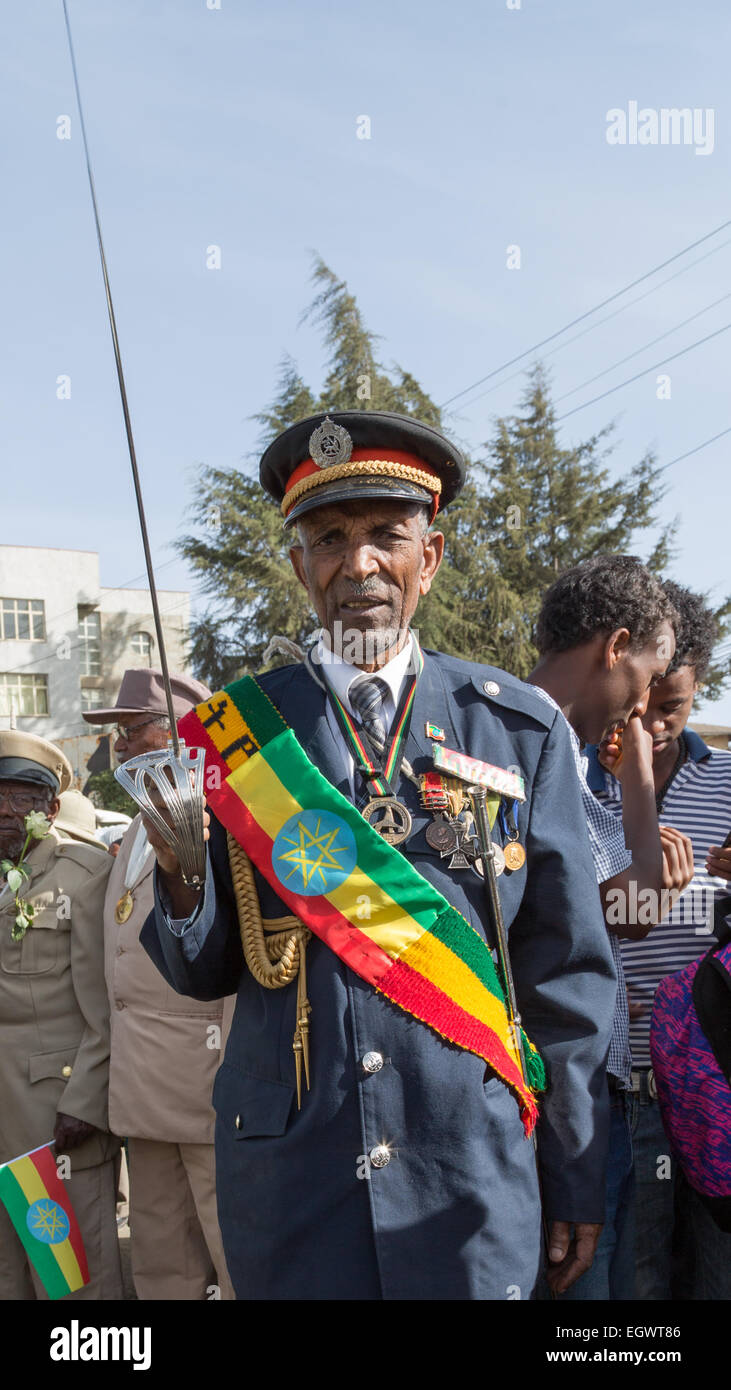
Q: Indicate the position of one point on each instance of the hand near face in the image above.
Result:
(627, 747)
(609, 752)
(718, 863)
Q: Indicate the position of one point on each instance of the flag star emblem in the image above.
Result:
(314, 852)
(47, 1221)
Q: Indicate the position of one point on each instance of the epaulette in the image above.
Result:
(87, 856)
(500, 688)
(509, 693)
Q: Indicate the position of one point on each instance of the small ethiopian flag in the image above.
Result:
(40, 1209)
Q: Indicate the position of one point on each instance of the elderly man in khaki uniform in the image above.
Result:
(165, 1047)
(54, 1016)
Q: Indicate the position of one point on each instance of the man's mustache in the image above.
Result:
(370, 588)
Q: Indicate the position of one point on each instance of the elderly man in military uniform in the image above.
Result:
(164, 1049)
(54, 1016)
(373, 1106)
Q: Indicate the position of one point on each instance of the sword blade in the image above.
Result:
(125, 409)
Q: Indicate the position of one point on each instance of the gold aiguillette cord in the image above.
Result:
(274, 952)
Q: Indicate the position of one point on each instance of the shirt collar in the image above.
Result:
(594, 769)
(342, 675)
(698, 751)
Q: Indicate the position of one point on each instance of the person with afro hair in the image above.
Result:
(605, 633)
(680, 1252)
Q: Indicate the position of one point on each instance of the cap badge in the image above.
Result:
(330, 444)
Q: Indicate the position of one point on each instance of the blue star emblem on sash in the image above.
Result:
(314, 853)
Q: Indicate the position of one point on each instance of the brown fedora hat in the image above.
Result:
(143, 692)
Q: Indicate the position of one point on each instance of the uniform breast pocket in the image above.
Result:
(45, 941)
(492, 1085)
(249, 1107)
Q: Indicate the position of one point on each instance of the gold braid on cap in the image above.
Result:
(385, 468)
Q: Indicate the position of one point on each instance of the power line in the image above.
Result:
(697, 449)
(601, 305)
(646, 372)
(607, 318)
(668, 332)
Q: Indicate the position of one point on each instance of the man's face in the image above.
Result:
(631, 675)
(140, 736)
(365, 566)
(26, 796)
(669, 706)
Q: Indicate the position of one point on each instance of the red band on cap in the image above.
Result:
(308, 466)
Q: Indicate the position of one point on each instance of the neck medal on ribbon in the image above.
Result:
(123, 910)
(380, 768)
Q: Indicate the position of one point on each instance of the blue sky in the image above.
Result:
(237, 127)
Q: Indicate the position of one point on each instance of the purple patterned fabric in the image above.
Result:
(694, 1095)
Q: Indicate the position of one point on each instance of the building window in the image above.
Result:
(92, 699)
(23, 695)
(22, 619)
(90, 643)
(142, 646)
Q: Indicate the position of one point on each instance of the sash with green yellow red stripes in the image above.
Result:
(353, 890)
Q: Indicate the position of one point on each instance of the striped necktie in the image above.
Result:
(366, 698)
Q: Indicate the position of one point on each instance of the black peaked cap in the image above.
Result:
(376, 429)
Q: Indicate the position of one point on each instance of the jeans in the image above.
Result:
(612, 1274)
(681, 1252)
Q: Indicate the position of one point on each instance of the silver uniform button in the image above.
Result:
(372, 1061)
(491, 688)
(379, 1156)
(237, 1122)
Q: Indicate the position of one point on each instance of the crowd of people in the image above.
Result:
(333, 1006)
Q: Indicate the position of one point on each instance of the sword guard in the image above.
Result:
(176, 781)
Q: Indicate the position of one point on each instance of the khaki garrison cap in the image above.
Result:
(77, 818)
(27, 758)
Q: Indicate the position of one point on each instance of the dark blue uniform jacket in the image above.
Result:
(455, 1212)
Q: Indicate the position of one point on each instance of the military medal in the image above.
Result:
(442, 836)
(514, 852)
(139, 854)
(123, 910)
(499, 859)
(514, 855)
(389, 817)
(450, 833)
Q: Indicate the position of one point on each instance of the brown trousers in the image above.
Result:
(93, 1196)
(177, 1251)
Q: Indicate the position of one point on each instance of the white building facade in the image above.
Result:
(65, 642)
